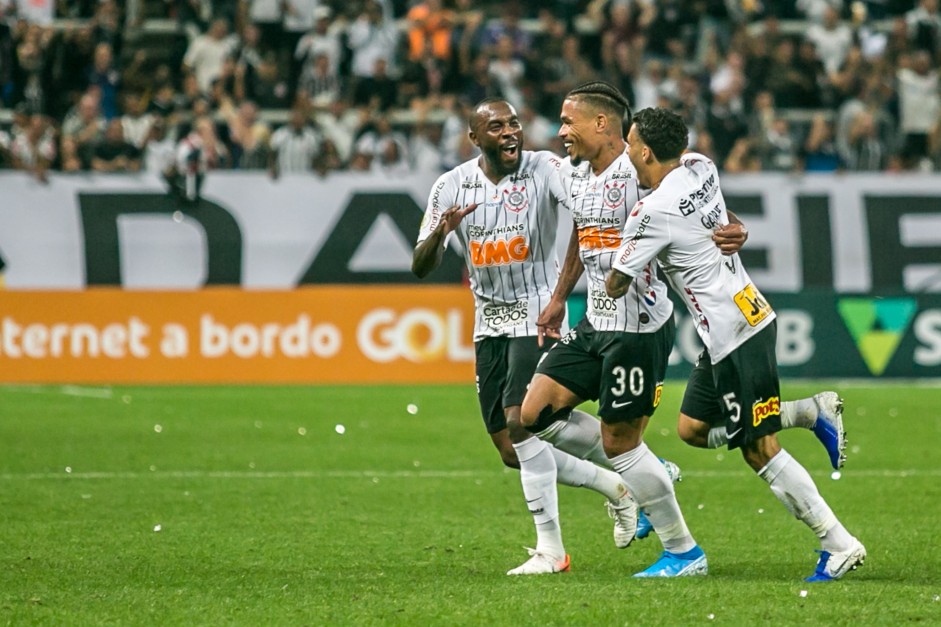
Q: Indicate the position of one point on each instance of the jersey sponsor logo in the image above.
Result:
(478, 231)
(436, 196)
(700, 198)
(601, 305)
(753, 305)
(620, 176)
(763, 410)
(472, 185)
(596, 238)
(579, 174)
(657, 394)
(521, 176)
(505, 316)
(638, 235)
(499, 252)
(515, 199)
(711, 219)
(613, 195)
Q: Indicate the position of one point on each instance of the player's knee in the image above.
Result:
(546, 418)
(688, 431)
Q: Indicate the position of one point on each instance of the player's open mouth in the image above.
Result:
(568, 146)
(510, 150)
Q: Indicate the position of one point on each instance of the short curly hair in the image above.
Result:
(605, 97)
(663, 131)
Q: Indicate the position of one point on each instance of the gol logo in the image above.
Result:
(499, 252)
(419, 335)
(657, 394)
(760, 411)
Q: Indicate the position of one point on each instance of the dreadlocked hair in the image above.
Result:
(605, 97)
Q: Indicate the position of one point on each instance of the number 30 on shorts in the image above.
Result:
(624, 380)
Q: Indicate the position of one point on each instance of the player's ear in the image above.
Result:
(473, 137)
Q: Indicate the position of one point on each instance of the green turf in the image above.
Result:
(269, 516)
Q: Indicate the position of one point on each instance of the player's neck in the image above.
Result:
(494, 173)
(606, 156)
(661, 170)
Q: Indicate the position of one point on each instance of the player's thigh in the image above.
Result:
(523, 354)
(631, 375)
(570, 364)
(748, 387)
(491, 368)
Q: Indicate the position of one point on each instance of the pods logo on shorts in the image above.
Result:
(657, 393)
(762, 410)
(515, 199)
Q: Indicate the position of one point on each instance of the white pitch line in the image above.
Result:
(405, 474)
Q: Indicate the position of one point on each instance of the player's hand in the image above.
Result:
(549, 323)
(730, 238)
(453, 215)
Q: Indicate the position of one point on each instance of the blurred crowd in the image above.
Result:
(386, 85)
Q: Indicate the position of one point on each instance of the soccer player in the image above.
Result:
(618, 354)
(501, 209)
(735, 382)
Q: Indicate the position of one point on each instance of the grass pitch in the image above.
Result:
(337, 506)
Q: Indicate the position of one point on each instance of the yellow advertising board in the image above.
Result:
(348, 334)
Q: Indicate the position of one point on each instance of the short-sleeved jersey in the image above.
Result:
(675, 224)
(509, 240)
(600, 206)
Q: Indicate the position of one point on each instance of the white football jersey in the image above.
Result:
(509, 240)
(600, 206)
(675, 224)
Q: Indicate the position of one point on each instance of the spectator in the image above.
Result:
(429, 29)
(924, 26)
(866, 152)
(33, 147)
(507, 71)
(104, 77)
(743, 157)
(159, 148)
(294, 146)
(267, 16)
(373, 151)
(378, 91)
(919, 105)
(832, 40)
(373, 36)
(779, 150)
(320, 40)
(819, 153)
(82, 129)
(207, 53)
(319, 83)
(196, 154)
(113, 153)
(269, 89)
(248, 137)
(136, 121)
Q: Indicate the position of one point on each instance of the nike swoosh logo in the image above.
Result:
(616, 405)
(733, 434)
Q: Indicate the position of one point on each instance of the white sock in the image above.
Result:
(580, 473)
(538, 476)
(651, 487)
(578, 435)
(800, 413)
(793, 486)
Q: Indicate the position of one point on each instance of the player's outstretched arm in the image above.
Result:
(617, 283)
(428, 254)
(550, 319)
(731, 237)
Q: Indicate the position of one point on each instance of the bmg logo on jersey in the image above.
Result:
(419, 335)
(499, 252)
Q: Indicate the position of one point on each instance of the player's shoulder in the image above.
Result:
(541, 159)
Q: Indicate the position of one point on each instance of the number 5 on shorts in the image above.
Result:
(732, 405)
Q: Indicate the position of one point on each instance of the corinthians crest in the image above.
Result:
(613, 194)
(514, 199)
